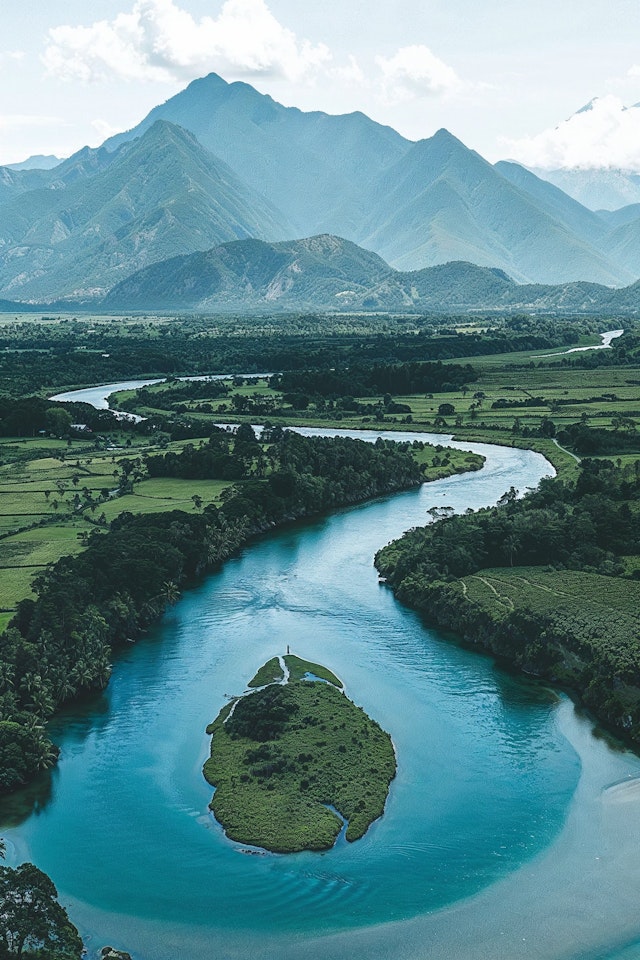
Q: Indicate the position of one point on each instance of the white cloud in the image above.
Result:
(351, 73)
(603, 134)
(415, 72)
(158, 40)
(104, 129)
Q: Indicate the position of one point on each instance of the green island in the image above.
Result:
(293, 760)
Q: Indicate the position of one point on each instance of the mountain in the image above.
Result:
(82, 165)
(442, 201)
(596, 188)
(583, 222)
(318, 270)
(118, 211)
(329, 273)
(16, 182)
(314, 167)
(415, 204)
(37, 162)
(221, 161)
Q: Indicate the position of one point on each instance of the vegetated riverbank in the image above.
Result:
(59, 645)
(467, 773)
(549, 583)
(295, 759)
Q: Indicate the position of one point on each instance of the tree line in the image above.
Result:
(590, 524)
(59, 645)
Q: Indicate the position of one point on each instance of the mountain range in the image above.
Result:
(328, 273)
(221, 162)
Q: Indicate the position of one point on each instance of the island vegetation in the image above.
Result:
(59, 642)
(294, 761)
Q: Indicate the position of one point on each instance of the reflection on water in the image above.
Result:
(31, 801)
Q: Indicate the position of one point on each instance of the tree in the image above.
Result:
(58, 421)
(31, 919)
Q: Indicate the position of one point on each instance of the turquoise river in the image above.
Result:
(510, 831)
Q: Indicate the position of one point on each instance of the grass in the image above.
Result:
(45, 512)
(292, 762)
(298, 670)
(163, 494)
(269, 672)
(565, 394)
(573, 592)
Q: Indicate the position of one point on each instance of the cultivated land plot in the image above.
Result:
(48, 505)
(165, 493)
(536, 587)
(527, 387)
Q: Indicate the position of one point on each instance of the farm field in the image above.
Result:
(513, 396)
(53, 495)
(574, 593)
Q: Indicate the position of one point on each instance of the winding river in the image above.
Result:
(510, 831)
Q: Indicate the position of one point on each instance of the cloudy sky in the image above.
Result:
(503, 75)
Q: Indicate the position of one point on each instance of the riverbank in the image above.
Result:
(123, 581)
(312, 586)
(546, 583)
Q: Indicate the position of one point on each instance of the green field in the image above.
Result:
(574, 593)
(513, 395)
(49, 503)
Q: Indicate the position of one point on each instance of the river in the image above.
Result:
(510, 830)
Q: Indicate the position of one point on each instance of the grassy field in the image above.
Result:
(513, 394)
(572, 593)
(290, 762)
(53, 495)
(269, 672)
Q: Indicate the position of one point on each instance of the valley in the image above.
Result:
(322, 379)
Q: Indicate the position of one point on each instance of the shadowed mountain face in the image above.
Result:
(241, 165)
(329, 273)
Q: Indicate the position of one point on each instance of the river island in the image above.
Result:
(294, 761)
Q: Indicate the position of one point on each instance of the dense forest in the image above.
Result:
(36, 356)
(59, 645)
(573, 541)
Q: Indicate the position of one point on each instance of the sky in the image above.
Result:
(505, 76)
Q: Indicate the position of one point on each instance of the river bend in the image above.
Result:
(510, 831)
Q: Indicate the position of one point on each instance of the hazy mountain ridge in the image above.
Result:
(161, 194)
(594, 187)
(39, 161)
(242, 165)
(312, 166)
(330, 273)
